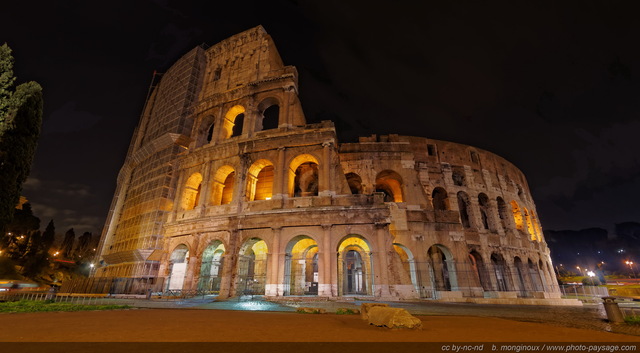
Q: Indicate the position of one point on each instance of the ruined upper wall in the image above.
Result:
(247, 57)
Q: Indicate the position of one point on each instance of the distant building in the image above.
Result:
(226, 189)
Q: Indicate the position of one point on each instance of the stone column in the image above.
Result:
(205, 193)
(381, 258)
(279, 187)
(326, 187)
(229, 267)
(274, 282)
(324, 263)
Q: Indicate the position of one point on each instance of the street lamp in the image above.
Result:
(630, 263)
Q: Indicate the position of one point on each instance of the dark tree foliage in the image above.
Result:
(20, 122)
(67, 243)
(22, 237)
(82, 250)
(48, 236)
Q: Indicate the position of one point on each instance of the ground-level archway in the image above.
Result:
(301, 267)
(178, 263)
(211, 268)
(355, 275)
(252, 268)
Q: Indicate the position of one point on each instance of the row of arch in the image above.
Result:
(492, 216)
(355, 269)
(303, 180)
(232, 122)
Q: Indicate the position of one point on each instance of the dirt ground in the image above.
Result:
(170, 325)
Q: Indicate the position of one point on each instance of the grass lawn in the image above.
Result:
(31, 306)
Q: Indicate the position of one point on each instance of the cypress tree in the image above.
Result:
(20, 122)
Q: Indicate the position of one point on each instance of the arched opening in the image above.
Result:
(439, 199)
(517, 216)
(532, 231)
(191, 193)
(355, 183)
(483, 203)
(354, 267)
(223, 185)
(301, 267)
(480, 270)
(260, 180)
(211, 268)
(204, 133)
(500, 271)
(238, 125)
(210, 133)
(270, 117)
(390, 183)
(233, 121)
(303, 176)
(520, 274)
(503, 213)
(178, 267)
(252, 267)
(408, 265)
(463, 208)
(536, 276)
(442, 268)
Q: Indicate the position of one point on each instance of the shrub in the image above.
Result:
(632, 320)
(591, 281)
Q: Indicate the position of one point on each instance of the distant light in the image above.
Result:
(91, 265)
(591, 274)
(267, 198)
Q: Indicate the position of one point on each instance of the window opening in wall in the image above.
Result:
(474, 157)
(458, 178)
(431, 150)
(191, 193)
(237, 127)
(439, 198)
(216, 74)
(271, 117)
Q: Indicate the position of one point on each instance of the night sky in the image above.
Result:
(552, 87)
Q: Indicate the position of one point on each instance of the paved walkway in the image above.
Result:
(592, 317)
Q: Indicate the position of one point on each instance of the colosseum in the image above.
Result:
(227, 190)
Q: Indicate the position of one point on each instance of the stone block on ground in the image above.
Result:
(395, 318)
(365, 307)
(305, 310)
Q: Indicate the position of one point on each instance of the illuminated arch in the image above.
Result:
(390, 183)
(301, 266)
(178, 262)
(191, 193)
(229, 120)
(211, 267)
(354, 266)
(223, 185)
(408, 264)
(532, 231)
(260, 180)
(517, 216)
(303, 176)
(252, 267)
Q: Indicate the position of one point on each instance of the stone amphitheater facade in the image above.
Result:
(227, 190)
